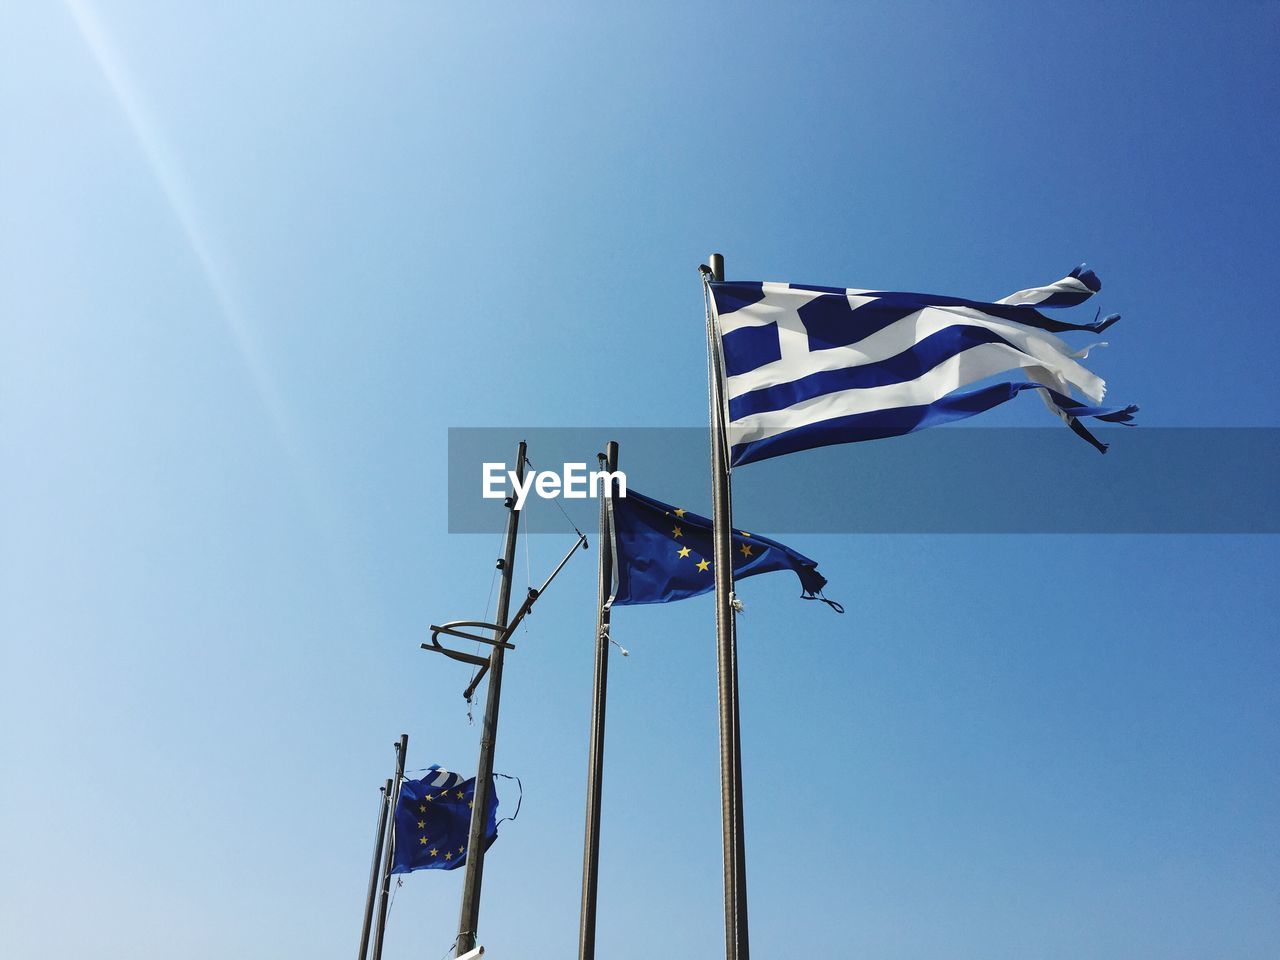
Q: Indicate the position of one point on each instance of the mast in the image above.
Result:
(383, 804)
(595, 755)
(469, 916)
(735, 873)
(402, 747)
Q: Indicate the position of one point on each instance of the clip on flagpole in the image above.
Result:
(499, 635)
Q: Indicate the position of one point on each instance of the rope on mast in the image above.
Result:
(488, 603)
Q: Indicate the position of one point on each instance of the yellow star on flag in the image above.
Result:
(422, 824)
(679, 511)
(684, 551)
(434, 851)
(746, 550)
(423, 841)
(448, 856)
(703, 565)
(677, 532)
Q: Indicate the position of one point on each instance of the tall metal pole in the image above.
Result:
(384, 805)
(737, 945)
(402, 748)
(595, 756)
(469, 917)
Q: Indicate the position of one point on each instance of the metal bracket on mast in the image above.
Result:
(500, 635)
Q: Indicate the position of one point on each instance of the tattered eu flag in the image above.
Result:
(664, 553)
(433, 819)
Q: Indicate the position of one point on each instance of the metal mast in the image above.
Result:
(383, 805)
(735, 872)
(402, 748)
(595, 762)
(469, 917)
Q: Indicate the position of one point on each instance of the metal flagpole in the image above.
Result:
(595, 760)
(373, 871)
(402, 748)
(469, 917)
(735, 873)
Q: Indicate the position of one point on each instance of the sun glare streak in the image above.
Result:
(168, 174)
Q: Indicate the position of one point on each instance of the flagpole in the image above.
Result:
(469, 916)
(737, 945)
(402, 748)
(595, 756)
(384, 805)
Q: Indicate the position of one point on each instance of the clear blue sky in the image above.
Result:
(255, 259)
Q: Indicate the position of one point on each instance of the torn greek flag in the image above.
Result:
(806, 366)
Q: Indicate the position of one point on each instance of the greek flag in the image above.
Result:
(807, 366)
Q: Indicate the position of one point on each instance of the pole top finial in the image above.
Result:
(716, 261)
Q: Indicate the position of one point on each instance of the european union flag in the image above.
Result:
(664, 553)
(433, 819)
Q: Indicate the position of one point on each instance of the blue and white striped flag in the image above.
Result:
(808, 366)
